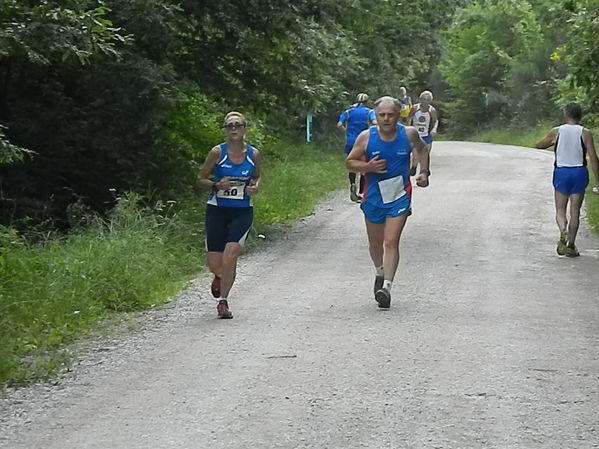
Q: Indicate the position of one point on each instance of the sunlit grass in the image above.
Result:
(523, 138)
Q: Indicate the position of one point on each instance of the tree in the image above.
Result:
(487, 45)
(582, 55)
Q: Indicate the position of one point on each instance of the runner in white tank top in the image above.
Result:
(573, 143)
(423, 117)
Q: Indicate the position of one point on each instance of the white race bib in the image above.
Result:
(235, 191)
(391, 189)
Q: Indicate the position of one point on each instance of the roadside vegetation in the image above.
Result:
(143, 253)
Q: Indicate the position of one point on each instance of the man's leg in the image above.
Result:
(575, 206)
(353, 191)
(376, 238)
(362, 183)
(383, 242)
(393, 229)
(561, 204)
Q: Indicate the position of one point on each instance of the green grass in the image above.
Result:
(523, 138)
(295, 182)
(55, 292)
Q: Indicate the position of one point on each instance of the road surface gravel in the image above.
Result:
(492, 340)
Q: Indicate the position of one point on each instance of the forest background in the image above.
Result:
(108, 108)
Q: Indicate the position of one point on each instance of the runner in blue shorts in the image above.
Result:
(383, 153)
(352, 122)
(232, 173)
(573, 144)
(424, 118)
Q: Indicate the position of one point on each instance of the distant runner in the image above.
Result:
(573, 144)
(406, 106)
(352, 122)
(232, 173)
(383, 153)
(423, 116)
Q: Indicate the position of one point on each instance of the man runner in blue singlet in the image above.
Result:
(352, 122)
(383, 153)
(573, 143)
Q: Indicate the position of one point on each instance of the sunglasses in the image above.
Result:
(235, 125)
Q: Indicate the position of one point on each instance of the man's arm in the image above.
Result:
(341, 121)
(434, 122)
(548, 140)
(587, 138)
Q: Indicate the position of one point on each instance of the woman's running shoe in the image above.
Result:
(223, 309)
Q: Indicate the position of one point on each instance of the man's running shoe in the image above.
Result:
(353, 195)
(383, 297)
(572, 251)
(223, 309)
(562, 245)
(215, 287)
(378, 283)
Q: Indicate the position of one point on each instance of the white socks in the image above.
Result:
(379, 271)
(387, 285)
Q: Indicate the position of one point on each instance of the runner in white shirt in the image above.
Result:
(573, 144)
(423, 116)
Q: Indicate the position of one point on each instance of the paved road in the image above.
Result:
(492, 340)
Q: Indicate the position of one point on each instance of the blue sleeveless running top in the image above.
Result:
(383, 189)
(355, 120)
(240, 175)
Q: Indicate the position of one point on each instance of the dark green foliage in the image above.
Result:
(117, 96)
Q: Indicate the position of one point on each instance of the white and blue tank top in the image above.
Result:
(570, 150)
(240, 175)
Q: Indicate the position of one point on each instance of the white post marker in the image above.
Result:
(309, 128)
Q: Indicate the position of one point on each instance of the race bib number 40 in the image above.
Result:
(235, 191)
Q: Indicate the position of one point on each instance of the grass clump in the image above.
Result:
(54, 291)
(519, 137)
(294, 181)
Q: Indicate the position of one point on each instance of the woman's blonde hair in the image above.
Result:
(235, 114)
